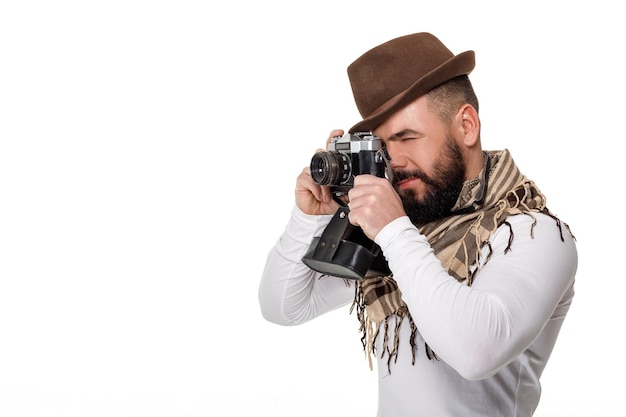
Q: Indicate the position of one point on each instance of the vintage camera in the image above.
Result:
(349, 155)
(343, 250)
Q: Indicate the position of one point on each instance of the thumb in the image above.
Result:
(326, 195)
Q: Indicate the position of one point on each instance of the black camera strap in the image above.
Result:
(344, 250)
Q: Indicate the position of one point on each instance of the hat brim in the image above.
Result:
(461, 64)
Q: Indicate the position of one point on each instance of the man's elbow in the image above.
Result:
(480, 366)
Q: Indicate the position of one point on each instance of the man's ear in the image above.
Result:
(469, 124)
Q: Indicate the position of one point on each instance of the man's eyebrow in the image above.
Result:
(402, 133)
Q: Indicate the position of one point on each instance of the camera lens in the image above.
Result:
(330, 168)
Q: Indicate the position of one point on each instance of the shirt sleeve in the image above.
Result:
(479, 329)
(290, 292)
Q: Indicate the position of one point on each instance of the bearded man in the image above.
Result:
(481, 273)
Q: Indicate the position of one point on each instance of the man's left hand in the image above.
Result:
(373, 204)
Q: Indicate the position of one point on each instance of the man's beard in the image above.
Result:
(442, 189)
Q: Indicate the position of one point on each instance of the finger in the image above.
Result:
(321, 193)
(326, 194)
(366, 179)
(333, 134)
(317, 193)
(352, 218)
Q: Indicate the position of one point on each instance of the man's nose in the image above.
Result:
(397, 159)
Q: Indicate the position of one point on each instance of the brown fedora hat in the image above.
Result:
(390, 76)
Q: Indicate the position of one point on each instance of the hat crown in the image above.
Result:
(404, 68)
(393, 67)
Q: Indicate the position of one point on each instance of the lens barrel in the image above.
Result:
(330, 168)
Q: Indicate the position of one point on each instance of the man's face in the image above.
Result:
(427, 163)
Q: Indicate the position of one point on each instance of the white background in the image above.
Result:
(148, 154)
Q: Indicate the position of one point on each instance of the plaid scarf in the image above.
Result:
(457, 241)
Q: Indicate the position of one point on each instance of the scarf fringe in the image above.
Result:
(371, 330)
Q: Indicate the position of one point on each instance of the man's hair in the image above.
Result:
(446, 99)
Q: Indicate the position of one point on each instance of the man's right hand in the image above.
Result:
(313, 198)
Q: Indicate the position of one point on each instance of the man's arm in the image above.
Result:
(479, 329)
(290, 292)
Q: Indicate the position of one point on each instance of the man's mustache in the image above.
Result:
(401, 175)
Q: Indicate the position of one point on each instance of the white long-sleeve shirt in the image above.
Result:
(493, 339)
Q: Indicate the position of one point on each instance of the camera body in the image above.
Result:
(347, 156)
(343, 250)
